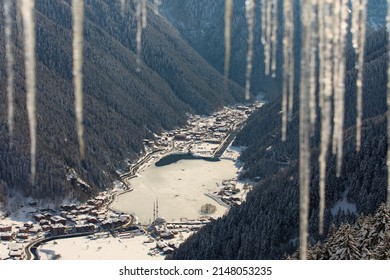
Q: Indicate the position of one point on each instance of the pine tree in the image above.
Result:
(344, 245)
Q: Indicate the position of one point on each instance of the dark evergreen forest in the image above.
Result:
(266, 226)
(122, 106)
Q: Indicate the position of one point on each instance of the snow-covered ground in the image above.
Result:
(344, 205)
(179, 187)
(233, 152)
(110, 248)
(105, 248)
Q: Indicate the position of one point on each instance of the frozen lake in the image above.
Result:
(180, 188)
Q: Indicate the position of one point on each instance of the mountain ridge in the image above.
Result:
(266, 226)
(116, 97)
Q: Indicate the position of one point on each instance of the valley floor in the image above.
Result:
(111, 234)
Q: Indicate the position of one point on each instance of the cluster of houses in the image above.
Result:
(169, 235)
(89, 217)
(232, 194)
(212, 129)
(20, 233)
(68, 219)
(16, 251)
(16, 235)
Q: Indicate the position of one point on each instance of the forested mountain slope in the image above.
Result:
(368, 238)
(376, 14)
(202, 24)
(122, 106)
(266, 226)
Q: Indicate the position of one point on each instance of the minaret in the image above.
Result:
(157, 208)
(154, 211)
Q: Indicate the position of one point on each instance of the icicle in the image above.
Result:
(267, 38)
(228, 24)
(10, 65)
(78, 46)
(326, 46)
(28, 17)
(19, 21)
(264, 21)
(336, 56)
(250, 19)
(274, 36)
(388, 101)
(140, 13)
(323, 146)
(156, 5)
(342, 15)
(304, 131)
(312, 65)
(144, 13)
(139, 30)
(123, 6)
(358, 30)
(288, 63)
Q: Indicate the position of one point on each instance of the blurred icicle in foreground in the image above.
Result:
(358, 30)
(304, 129)
(10, 66)
(141, 16)
(250, 19)
(78, 23)
(228, 25)
(288, 64)
(388, 101)
(28, 17)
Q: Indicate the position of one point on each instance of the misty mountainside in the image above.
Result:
(376, 14)
(121, 106)
(266, 226)
(202, 24)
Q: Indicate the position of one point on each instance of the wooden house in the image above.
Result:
(5, 228)
(7, 236)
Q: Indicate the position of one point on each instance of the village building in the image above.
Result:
(80, 228)
(15, 250)
(94, 213)
(160, 245)
(58, 220)
(5, 228)
(35, 229)
(22, 236)
(46, 228)
(68, 207)
(43, 222)
(124, 218)
(58, 229)
(47, 215)
(166, 234)
(92, 219)
(39, 217)
(180, 137)
(23, 230)
(16, 255)
(107, 224)
(63, 214)
(168, 250)
(7, 236)
(28, 224)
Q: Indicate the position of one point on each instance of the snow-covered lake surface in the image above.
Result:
(179, 187)
(83, 248)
